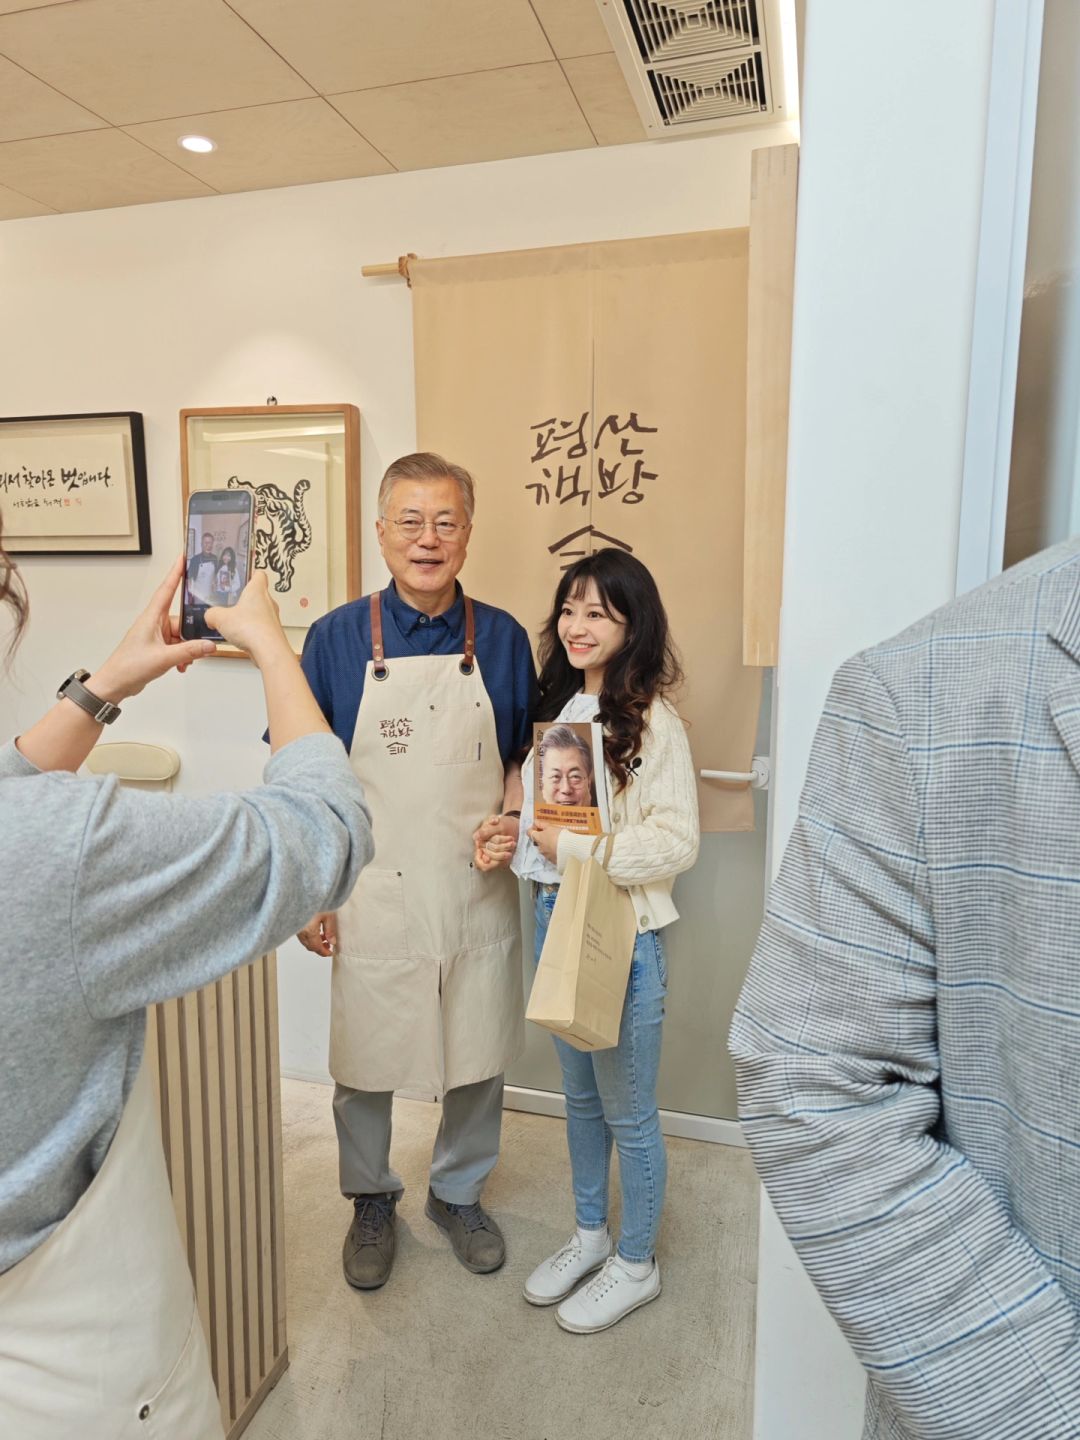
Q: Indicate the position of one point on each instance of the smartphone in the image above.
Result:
(220, 532)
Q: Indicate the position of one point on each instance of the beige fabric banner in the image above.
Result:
(598, 394)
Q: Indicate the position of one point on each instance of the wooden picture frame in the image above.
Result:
(303, 464)
(74, 484)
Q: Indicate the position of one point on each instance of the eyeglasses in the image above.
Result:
(412, 527)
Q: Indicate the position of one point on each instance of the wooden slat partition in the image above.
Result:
(770, 293)
(214, 1058)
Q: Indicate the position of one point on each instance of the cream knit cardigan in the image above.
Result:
(654, 821)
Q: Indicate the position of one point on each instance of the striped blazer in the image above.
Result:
(908, 1039)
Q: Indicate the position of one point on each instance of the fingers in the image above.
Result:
(163, 595)
(311, 940)
(320, 936)
(184, 652)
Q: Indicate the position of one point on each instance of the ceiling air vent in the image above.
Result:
(695, 65)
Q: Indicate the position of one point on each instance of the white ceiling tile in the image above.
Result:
(135, 60)
(340, 45)
(14, 206)
(527, 110)
(296, 142)
(574, 27)
(29, 107)
(93, 171)
(600, 87)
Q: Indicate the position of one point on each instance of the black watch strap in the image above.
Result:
(73, 689)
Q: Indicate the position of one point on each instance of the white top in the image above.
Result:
(654, 821)
(528, 863)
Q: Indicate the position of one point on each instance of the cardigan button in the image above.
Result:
(644, 922)
(144, 1413)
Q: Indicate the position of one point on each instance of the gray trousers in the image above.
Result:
(466, 1147)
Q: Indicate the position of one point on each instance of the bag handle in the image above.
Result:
(606, 861)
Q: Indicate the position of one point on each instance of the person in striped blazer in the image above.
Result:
(907, 1042)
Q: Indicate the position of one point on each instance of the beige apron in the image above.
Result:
(426, 992)
(99, 1334)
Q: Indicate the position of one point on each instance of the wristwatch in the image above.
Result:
(103, 711)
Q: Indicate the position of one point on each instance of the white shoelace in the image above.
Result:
(570, 1252)
(606, 1279)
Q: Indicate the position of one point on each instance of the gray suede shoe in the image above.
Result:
(368, 1254)
(477, 1240)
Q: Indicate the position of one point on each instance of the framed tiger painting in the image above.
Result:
(302, 465)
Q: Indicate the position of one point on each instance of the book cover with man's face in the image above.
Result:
(570, 782)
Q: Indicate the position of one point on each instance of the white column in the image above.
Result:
(894, 123)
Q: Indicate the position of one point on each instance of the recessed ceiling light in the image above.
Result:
(199, 143)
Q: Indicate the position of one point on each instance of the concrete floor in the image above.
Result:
(440, 1354)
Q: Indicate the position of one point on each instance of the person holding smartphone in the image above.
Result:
(114, 899)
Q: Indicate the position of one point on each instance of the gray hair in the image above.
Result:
(427, 466)
(562, 737)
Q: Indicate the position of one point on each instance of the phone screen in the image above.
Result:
(218, 555)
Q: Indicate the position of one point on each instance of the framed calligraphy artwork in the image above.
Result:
(302, 464)
(74, 484)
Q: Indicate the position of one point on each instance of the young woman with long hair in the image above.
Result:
(606, 656)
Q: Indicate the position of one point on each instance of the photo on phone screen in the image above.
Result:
(219, 538)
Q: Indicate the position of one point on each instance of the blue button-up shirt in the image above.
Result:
(338, 648)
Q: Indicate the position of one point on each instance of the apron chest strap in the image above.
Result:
(380, 669)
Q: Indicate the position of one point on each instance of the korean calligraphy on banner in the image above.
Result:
(597, 393)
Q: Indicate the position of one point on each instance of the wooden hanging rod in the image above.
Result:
(400, 266)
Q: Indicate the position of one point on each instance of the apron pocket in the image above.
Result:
(494, 911)
(186, 1407)
(458, 734)
(373, 921)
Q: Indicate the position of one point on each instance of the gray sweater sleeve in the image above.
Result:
(13, 764)
(171, 892)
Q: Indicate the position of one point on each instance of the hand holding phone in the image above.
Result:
(253, 623)
(221, 532)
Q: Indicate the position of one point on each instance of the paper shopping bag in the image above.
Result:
(580, 983)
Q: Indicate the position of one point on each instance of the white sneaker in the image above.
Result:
(607, 1298)
(553, 1280)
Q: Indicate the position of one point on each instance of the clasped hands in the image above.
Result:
(495, 841)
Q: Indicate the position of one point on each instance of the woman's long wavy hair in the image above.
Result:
(12, 594)
(646, 668)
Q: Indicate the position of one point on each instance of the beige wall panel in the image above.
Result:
(274, 1160)
(230, 1144)
(652, 329)
(773, 185)
(296, 142)
(356, 44)
(215, 1053)
(14, 206)
(134, 60)
(249, 1235)
(574, 27)
(528, 110)
(600, 87)
(30, 107)
(93, 171)
(217, 1336)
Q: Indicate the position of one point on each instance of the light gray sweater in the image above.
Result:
(112, 899)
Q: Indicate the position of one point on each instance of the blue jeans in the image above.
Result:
(611, 1094)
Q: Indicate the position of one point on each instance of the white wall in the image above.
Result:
(1044, 490)
(225, 301)
(893, 131)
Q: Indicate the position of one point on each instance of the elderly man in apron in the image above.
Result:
(432, 694)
